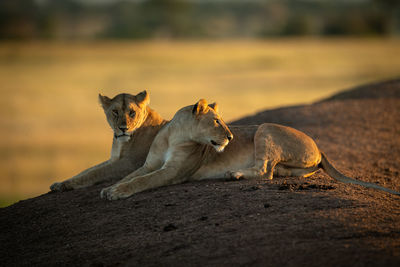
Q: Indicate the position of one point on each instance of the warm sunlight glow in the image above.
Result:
(53, 127)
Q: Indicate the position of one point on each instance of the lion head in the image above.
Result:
(125, 113)
(209, 128)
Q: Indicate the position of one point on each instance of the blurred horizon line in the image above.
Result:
(186, 19)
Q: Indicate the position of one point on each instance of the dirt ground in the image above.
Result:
(313, 221)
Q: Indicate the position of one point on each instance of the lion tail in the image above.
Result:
(335, 174)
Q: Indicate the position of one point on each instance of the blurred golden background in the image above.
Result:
(56, 56)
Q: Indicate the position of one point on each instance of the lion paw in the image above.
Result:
(234, 175)
(58, 187)
(113, 193)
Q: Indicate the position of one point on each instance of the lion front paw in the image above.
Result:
(114, 192)
(59, 187)
(234, 175)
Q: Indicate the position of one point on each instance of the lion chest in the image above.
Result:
(117, 149)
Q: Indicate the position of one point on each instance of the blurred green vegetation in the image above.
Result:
(143, 19)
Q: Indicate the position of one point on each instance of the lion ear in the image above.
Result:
(214, 106)
(143, 98)
(200, 107)
(104, 101)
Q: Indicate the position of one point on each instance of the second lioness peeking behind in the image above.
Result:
(194, 146)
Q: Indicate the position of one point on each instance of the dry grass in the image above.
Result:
(52, 126)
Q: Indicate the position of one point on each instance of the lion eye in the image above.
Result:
(217, 121)
(132, 113)
(115, 112)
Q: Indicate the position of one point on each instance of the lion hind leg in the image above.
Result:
(267, 155)
(261, 170)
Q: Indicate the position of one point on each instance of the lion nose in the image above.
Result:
(123, 128)
(229, 136)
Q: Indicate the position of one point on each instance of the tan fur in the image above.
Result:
(134, 125)
(183, 150)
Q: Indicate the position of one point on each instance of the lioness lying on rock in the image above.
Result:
(194, 146)
(134, 125)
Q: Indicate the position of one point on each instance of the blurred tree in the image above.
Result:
(390, 13)
(168, 18)
(69, 19)
(152, 18)
(18, 19)
(299, 25)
